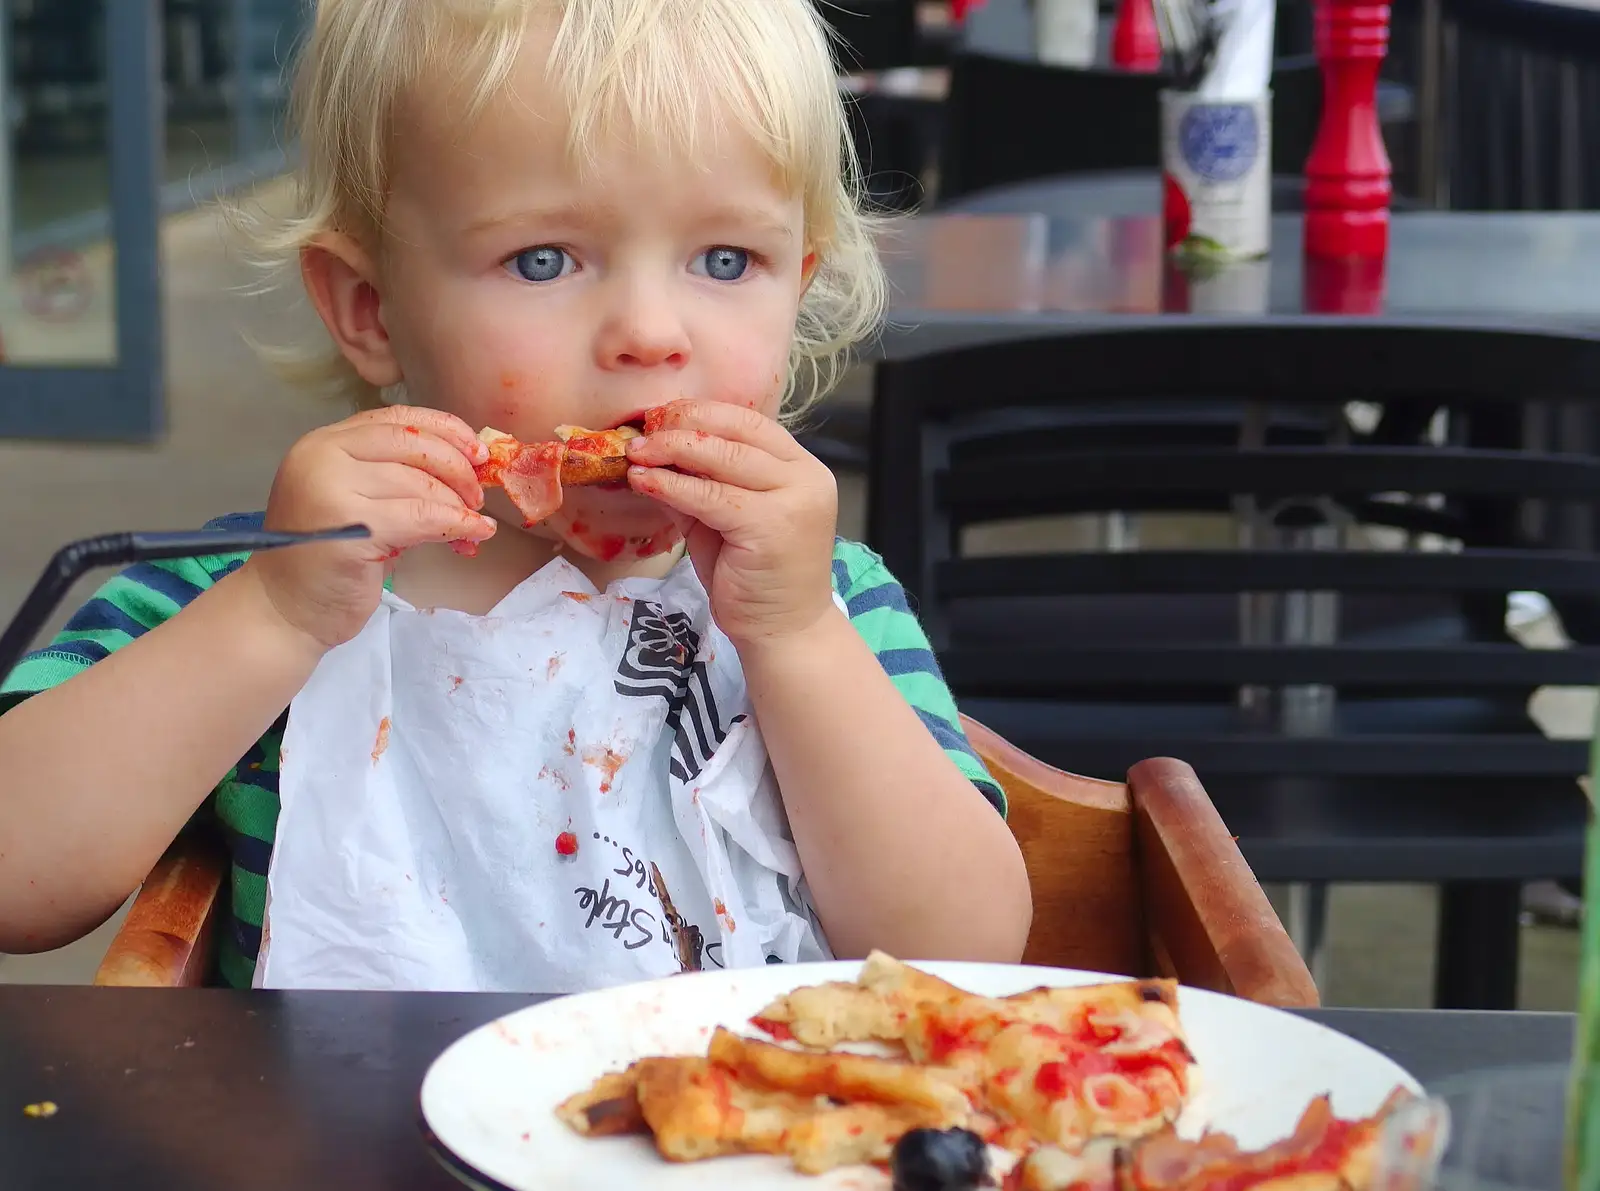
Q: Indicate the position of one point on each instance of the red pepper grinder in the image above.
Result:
(1135, 40)
(1347, 173)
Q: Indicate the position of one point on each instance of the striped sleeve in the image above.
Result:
(877, 607)
(126, 606)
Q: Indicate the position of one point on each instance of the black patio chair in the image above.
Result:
(1425, 766)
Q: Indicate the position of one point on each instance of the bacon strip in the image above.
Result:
(1324, 1153)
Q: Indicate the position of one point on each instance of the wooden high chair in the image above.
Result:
(1137, 878)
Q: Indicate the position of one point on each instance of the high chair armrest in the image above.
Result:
(168, 937)
(1141, 878)
(1206, 917)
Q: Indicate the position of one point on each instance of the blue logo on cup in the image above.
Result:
(1220, 141)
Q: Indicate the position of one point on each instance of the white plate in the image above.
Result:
(489, 1099)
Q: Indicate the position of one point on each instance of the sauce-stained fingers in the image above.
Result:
(396, 481)
(714, 504)
(430, 421)
(702, 453)
(417, 520)
(402, 443)
(726, 419)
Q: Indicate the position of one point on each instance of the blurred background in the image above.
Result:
(129, 397)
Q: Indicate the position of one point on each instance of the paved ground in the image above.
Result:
(231, 423)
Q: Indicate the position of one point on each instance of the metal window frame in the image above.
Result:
(124, 401)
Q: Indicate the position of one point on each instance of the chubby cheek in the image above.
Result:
(751, 378)
(488, 375)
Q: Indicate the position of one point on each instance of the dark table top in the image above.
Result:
(173, 1090)
(1085, 252)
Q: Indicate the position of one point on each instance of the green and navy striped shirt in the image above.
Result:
(244, 804)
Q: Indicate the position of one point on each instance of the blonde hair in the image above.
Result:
(645, 67)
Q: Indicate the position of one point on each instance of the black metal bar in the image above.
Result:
(1268, 471)
(1030, 670)
(1478, 945)
(120, 549)
(1309, 359)
(1192, 572)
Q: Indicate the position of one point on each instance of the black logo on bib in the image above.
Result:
(661, 661)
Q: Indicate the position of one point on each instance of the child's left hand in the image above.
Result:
(764, 512)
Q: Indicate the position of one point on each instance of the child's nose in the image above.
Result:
(643, 330)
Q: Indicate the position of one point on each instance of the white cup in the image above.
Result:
(1217, 158)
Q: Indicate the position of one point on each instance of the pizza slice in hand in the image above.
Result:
(533, 474)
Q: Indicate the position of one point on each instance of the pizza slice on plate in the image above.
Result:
(748, 1096)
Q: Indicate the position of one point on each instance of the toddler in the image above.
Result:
(525, 214)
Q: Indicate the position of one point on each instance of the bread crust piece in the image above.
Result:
(595, 456)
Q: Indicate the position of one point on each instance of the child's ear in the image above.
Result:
(342, 283)
(808, 270)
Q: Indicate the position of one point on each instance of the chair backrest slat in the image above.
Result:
(1109, 477)
(1185, 571)
(1046, 671)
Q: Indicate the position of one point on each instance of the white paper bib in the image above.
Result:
(489, 802)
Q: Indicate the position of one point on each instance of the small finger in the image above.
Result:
(414, 521)
(394, 481)
(714, 504)
(414, 447)
(434, 421)
(702, 453)
(738, 423)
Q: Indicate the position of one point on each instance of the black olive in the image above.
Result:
(940, 1160)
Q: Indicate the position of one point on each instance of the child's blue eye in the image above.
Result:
(544, 263)
(725, 264)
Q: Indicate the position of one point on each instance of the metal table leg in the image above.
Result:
(1478, 945)
(1292, 618)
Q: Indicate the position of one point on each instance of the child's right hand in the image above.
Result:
(404, 472)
